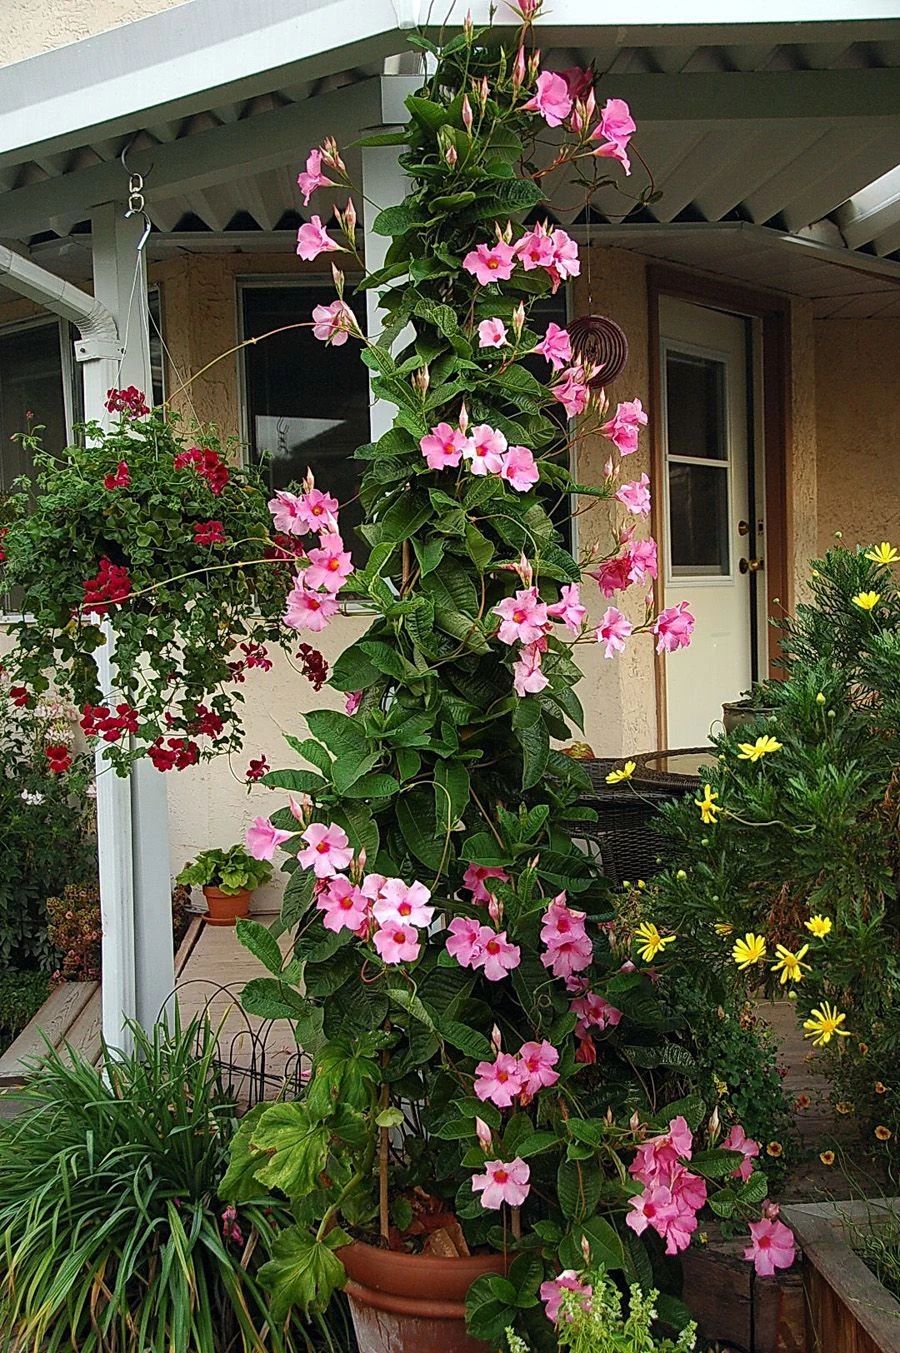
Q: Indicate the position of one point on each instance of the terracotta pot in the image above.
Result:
(412, 1303)
(225, 908)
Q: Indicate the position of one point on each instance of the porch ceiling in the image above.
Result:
(778, 124)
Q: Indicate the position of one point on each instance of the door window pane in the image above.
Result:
(698, 520)
(307, 404)
(695, 406)
(31, 395)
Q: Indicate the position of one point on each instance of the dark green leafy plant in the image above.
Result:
(21, 996)
(232, 871)
(113, 1239)
(171, 545)
(803, 848)
(46, 822)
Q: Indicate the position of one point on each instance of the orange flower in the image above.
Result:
(843, 1107)
(826, 1157)
(802, 1102)
(863, 1049)
(883, 1133)
(774, 1149)
(880, 1089)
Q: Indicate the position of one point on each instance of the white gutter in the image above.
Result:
(99, 334)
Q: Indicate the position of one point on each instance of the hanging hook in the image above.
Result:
(126, 151)
(148, 224)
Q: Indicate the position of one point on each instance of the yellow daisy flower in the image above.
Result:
(615, 777)
(651, 940)
(752, 751)
(723, 928)
(866, 601)
(707, 805)
(883, 554)
(823, 1024)
(820, 926)
(790, 964)
(751, 949)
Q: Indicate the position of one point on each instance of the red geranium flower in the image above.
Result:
(209, 533)
(120, 479)
(257, 769)
(19, 696)
(58, 757)
(111, 583)
(130, 400)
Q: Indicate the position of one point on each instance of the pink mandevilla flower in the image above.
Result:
(262, 839)
(319, 510)
(624, 426)
(498, 956)
(594, 1012)
(658, 1156)
(313, 240)
(737, 1140)
(536, 1063)
(614, 130)
(343, 904)
(492, 334)
(465, 943)
(485, 449)
(474, 879)
(311, 178)
(397, 943)
(551, 99)
(556, 347)
(565, 255)
(406, 904)
(636, 496)
(528, 679)
(553, 1288)
(654, 1207)
(572, 391)
(443, 447)
(490, 263)
(330, 565)
(327, 850)
(519, 469)
(352, 702)
(287, 513)
(333, 323)
(674, 627)
(642, 560)
(569, 608)
(308, 610)
(535, 249)
(523, 617)
(503, 1182)
(613, 630)
(772, 1246)
(499, 1081)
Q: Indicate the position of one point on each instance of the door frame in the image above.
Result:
(774, 315)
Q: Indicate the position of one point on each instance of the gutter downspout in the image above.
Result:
(100, 350)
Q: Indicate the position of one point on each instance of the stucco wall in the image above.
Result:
(857, 397)
(29, 28)
(802, 452)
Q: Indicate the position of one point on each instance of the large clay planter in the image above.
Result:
(225, 908)
(412, 1303)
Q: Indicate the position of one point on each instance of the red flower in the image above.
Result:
(236, 672)
(207, 722)
(19, 696)
(3, 533)
(208, 464)
(130, 400)
(99, 721)
(313, 666)
(256, 657)
(209, 533)
(257, 769)
(58, 756)
(121, 479)
(111, 583)
(178, 754)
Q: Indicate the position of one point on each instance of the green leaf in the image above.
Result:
(297, 1148)
(338, 732)
(483, 848)
(261, 943)
(465, 1039)
(303, 1271)
(716, 1164)
(394, 221)
(296, 781)
(451, 793)
(239, 1182)
(270, 999)
(754, 1189)
(486, 1317)
(389, 1118)
(578, 1185)
(377, 786)
(352, 671)
(429, 115)
(535, 743)
(298, 896)
(415, 818)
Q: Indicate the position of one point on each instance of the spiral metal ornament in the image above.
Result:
(597, 341)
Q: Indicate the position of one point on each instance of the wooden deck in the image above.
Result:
(211, 969)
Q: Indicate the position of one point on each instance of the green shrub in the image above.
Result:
(22, 994)
(113, 1237)
(232, 871)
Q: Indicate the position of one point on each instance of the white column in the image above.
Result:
(132, 813)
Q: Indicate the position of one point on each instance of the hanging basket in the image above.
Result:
(597, 341)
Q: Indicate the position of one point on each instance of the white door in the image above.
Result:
(707, 512)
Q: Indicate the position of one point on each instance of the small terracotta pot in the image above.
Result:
(413, 1303)
(225, 908)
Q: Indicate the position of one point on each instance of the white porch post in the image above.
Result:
(384, 184)
(132, 813)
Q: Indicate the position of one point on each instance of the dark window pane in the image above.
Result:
(698, 519)
(157, 362)
(31, 395)
(695, 406)
(307, 404)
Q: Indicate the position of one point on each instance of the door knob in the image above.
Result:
(751, 565)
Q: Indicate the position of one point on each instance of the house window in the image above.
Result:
(307, 405)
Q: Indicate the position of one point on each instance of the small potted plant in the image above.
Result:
(227, 877)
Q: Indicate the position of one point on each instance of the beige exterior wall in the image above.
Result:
(851, 482)
(857, 398)
(29, 28)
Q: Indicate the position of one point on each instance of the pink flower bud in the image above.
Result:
(338, 277)
(463, 419)
(586, 1249)
(467, 114)
(518, 319)
(451, 156)
(483, 1133)
(496, 1039)
(518, 72)
(484, 91)
(495, 909)
(348, 220)
(468, 25)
